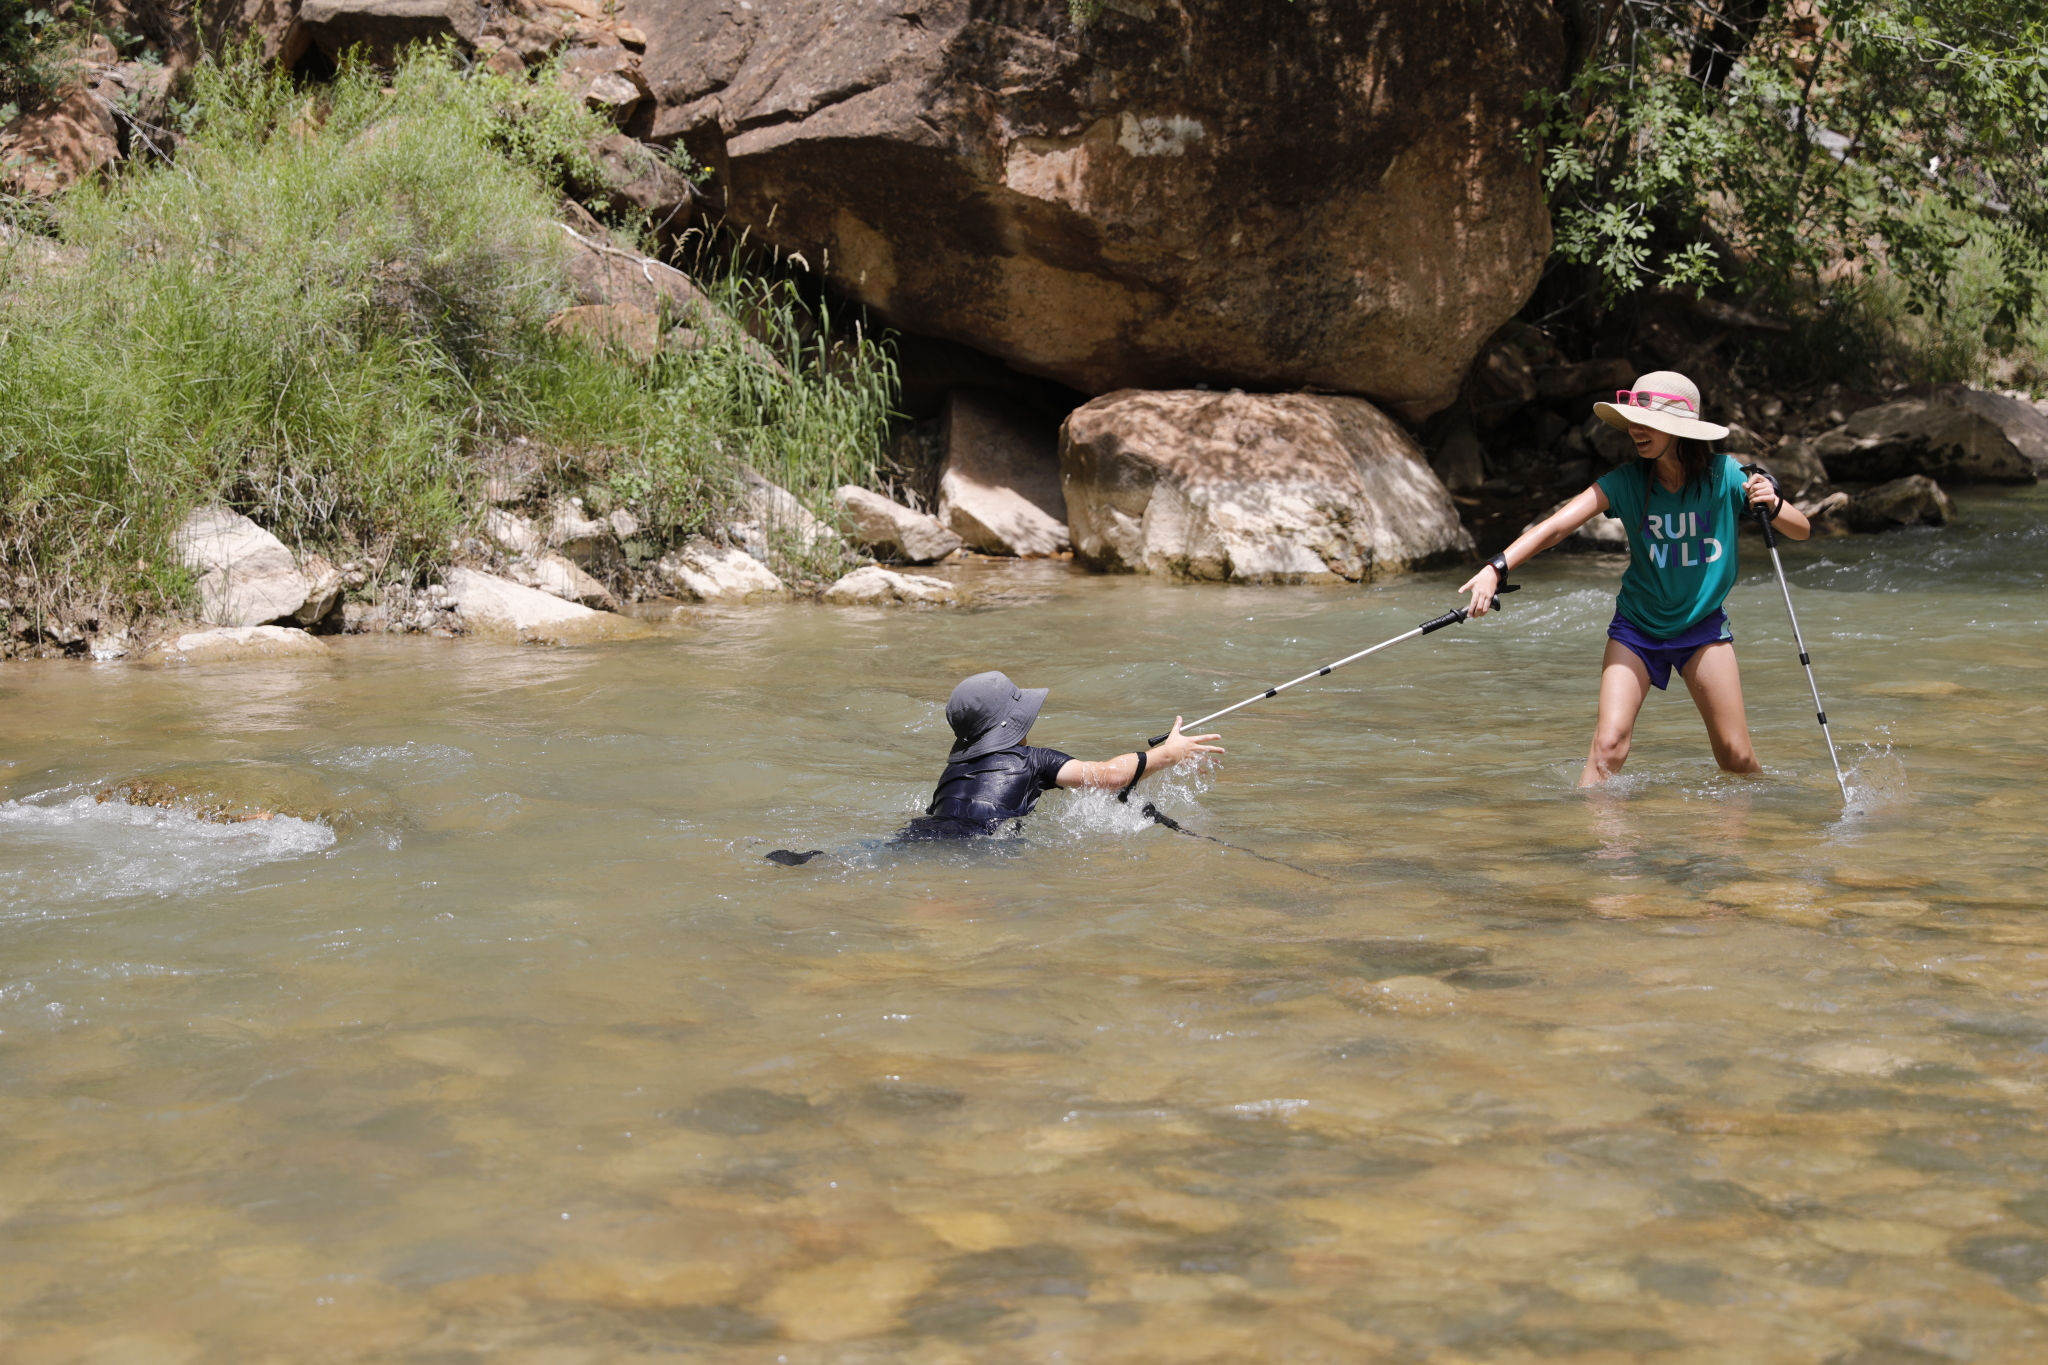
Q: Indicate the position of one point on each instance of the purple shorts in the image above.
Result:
(1661, 656)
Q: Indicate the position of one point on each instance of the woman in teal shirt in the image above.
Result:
(1680, 504)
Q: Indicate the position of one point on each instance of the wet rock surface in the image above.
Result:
(1251, 488)
(234, 644)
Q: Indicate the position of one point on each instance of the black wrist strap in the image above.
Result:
(1125, 795)
(1499, 564)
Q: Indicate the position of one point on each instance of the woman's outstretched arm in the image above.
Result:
(1485, 584)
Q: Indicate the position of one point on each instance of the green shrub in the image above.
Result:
(330, 299)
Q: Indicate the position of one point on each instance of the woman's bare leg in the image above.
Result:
(1624, 683)
(1714, 680)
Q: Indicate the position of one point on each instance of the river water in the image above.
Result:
(528, 1055)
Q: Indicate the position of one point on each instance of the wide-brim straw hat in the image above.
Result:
(1663, 400)
(989, 712)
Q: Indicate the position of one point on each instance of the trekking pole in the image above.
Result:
(1449, 618)
(1820, 712)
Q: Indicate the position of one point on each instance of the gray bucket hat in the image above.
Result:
(989, 712)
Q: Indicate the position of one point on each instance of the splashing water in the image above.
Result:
(79, 852)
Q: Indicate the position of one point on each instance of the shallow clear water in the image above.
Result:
(534, 1059)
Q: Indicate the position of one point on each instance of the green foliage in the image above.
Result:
(1780, 146)
(32, 43)
(325, 305)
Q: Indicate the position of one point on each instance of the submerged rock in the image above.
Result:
(230, 793)
(999, 489)
(885, 526)
(231, 644)
(705, 572)
(745, 1109)
(1255, 488)
(877, 586)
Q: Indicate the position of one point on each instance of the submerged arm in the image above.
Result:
(1114, 774)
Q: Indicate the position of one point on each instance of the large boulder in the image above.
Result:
(1316, 194)
(2024, 424)
(1935, 436)
(620, 328)
(886, 527)
(1797, 468)
(380, 27)
(999, 488)
(246, 575)
(1257, 488)
(1915, 500)
(56, 145)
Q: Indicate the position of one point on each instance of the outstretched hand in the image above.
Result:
(1177, 746)
(1484, 587)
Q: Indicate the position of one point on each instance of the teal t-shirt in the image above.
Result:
(1681, 546)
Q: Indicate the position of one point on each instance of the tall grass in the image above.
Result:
(331, 298)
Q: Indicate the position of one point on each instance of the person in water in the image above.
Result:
(992, 777)
(1680, 503)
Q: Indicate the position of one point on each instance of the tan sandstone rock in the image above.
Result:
(246, 575)
(233, 644)
(999, 488)
(886, 527)
(558, 576)
(493, 606)
(874, 586)
(1255, 488)
(706, 572)
(1602, 535)
(1320, 193)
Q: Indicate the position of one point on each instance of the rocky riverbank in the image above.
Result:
(1119, 306)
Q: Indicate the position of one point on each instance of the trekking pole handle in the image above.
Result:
(1756, 509)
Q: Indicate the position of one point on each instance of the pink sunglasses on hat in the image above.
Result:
(1641, 398)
